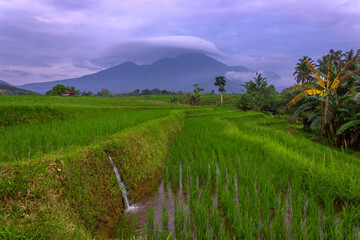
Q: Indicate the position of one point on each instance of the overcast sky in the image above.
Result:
(43, 40)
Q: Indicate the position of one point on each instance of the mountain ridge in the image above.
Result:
(4, 83)
(7, 89)
(173, 74)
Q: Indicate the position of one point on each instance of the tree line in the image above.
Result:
(326, 97)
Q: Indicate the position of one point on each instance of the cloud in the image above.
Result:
(148, 50)
(279, 81)
(72, 5)
(8, 73)
(86, 64)
(239, 76)
(275, 61)
(79, 37)
(52, 76)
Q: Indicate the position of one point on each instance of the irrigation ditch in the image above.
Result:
(76, 194)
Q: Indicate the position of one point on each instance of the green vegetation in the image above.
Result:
(232, 174)
(332, 104)
(193, 98)
(60, 90)
(259, 95)
(247, 178)
(220, 82)
(104, 93)
(15, 114)
(73, 194)
(11, 90)
(34, 139)
(302, 72)
(84, 101)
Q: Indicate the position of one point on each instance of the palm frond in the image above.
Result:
(336, 82)
(347, 77)
(303, 108)
(320, 81)
(314, 116)
(356, 64)
(301, 96)
(298, 88)
(356, 96)
(346, 126)
(342, 110)
(333, 69)
(316, 122)
(329, 69)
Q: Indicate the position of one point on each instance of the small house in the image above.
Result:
(68, 94)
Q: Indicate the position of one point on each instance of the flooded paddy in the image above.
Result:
(220, 183)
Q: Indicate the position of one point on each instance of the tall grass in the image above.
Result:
(15, 114)
(26, 141)
(251, 181)
(206, 99)
(75, 195)
(77, 101)
(240, 175)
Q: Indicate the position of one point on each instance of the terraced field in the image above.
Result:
(191, 173)
(244, 176)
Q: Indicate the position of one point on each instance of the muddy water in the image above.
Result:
(121, 185)
(156, 201)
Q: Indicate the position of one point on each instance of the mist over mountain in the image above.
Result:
(172, 74)
(4, 83)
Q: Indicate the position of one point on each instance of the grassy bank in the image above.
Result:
(74, 195)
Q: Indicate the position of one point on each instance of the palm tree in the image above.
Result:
(220, 82)
(348, 56)
(303, 72)
(327, 91)
(323, 63)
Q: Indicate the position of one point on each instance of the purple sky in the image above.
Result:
(44, 40)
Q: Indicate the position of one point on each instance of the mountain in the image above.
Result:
(4, 83)
(173, 74)
(7, 89)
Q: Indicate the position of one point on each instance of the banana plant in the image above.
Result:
(330, 89)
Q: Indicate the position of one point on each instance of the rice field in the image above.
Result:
(80, 101)
(228, 174)
(206, 99)
(234, 177)
(31, 126)
(22, 142)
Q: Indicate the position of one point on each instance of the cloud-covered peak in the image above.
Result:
(73, 38)
(148, 50)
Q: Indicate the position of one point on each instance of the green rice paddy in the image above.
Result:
(245, 180)
(232, 174)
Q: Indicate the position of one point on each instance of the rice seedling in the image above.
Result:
(21, 142)
(150, 225)
(269, 183)
(231, 174)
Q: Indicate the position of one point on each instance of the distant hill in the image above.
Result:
(6, 89)
(173, 74)
(4, 83)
